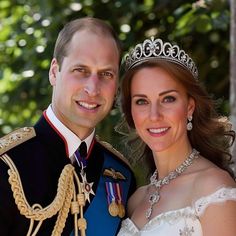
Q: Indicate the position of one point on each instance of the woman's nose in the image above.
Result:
(155, 112)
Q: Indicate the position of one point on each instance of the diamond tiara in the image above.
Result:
(155, 49)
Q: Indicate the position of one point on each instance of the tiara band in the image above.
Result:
(155, 49)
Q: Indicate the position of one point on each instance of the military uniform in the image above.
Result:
(39, 155)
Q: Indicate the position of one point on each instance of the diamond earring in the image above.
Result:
(190, 124)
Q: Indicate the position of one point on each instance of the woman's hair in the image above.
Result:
(211, 135)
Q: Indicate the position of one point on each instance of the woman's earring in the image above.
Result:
(190, 124)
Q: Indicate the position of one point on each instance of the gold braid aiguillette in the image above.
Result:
(66, 194)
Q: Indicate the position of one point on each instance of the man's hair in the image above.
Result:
(96, 26)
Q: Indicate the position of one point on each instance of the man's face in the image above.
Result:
(84, 86)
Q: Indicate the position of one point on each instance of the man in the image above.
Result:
(41, 193)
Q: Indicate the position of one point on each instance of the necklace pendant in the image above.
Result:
(154, 198)
(148, 213)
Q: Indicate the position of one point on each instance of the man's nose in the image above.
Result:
(92, 86)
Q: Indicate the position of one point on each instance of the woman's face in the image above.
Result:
(160, 108)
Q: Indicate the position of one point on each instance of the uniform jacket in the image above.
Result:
(40, 161)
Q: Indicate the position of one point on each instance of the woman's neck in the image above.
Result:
(170, 159)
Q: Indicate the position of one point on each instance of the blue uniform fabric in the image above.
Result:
(40, 161)
(99, 221)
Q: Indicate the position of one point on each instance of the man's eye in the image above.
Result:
(80, 70)
(106, 74)
(169, 99)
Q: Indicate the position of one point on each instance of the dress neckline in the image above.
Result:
(158, 218)
(190, 211)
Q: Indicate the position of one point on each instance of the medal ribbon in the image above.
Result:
(121, 213)
(80, 160)
(111, 192)
(119, 193)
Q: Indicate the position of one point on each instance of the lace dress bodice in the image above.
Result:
(181, 222)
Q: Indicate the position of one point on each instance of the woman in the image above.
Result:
(191, 191)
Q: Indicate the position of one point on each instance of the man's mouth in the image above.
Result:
(89, 106)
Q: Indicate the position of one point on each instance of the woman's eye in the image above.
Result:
(140, 102)
(169, 99)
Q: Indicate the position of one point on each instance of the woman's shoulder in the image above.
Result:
(212, 185)
(215, 176)
(210, 178)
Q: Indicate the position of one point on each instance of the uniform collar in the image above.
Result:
(72, 140)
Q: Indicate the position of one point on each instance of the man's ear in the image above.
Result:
(54, 69)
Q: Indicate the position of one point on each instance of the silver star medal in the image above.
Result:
(87, 187)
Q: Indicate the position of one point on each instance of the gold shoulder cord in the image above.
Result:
(66, 199)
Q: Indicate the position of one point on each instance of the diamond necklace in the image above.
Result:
(155, 197)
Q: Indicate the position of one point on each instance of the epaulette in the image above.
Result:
(15, 138)
(109, 147)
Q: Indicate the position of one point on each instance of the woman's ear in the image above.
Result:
(54, 69)
(191, 106)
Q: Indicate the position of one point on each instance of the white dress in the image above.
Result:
(181, 222)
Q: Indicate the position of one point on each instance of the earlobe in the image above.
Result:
(54, 68)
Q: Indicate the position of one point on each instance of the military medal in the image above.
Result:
(113, 207)
(87, 187)
(82, 163)
(121, 213)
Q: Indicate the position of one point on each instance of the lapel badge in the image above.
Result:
(113, 174)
